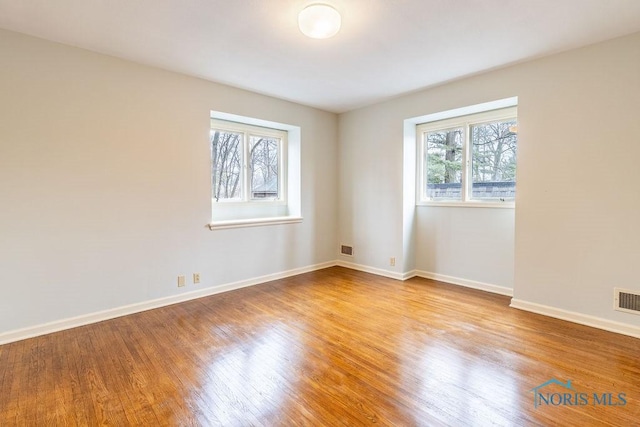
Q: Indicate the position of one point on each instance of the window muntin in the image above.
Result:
(247, 163)
(469, 159)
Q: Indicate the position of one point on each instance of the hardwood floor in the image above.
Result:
(332, 347)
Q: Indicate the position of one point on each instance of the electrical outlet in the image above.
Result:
(392, 261)
(196, 278)
(181, 281)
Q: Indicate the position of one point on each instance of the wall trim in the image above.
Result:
(487, 287)
(572, 316)
(86, 319)
(409, 274)
(373, 270)
(99, 316)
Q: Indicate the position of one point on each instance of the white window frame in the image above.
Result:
(287, 209)
(245, 176)
(465, 122)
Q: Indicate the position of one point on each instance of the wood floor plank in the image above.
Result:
(331, 347)
(12, 386)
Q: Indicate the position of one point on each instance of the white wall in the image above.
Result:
(575, 227)
(370, 203)
(578, 234)
(105, 184)
(371, 211)
(466, 243)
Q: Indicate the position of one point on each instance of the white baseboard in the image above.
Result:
(59, 325)
(73, 322)
(372, 270)
(502, 290)
(409, 274)
(582, 319)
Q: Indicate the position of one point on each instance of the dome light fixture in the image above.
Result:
(319, 21)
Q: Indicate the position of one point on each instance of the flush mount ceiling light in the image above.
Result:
(319, 21)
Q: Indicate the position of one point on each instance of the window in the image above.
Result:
(469, 159)
(248, 163)
(255, 172)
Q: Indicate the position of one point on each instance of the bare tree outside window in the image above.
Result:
(236, 178)
(493, 163)
(226, 161)
(264, 165)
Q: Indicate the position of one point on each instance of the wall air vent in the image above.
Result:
(626, 300)
(346, 250)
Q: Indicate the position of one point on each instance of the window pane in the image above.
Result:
(493, 161)
(443, 150)
(226, 160)
(264, 167)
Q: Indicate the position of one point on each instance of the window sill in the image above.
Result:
(499, 205)
(254, 222)
(254, 202)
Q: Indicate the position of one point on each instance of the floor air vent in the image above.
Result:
(627, 301)
(346, 250)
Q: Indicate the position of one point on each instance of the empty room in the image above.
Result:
(345, 212)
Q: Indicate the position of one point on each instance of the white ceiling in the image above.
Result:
(385, 47)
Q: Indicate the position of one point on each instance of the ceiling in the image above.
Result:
(385, 47)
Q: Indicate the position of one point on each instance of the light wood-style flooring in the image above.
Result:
(329, 348)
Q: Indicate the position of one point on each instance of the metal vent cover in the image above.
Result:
(346, 250)
(627, 300)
